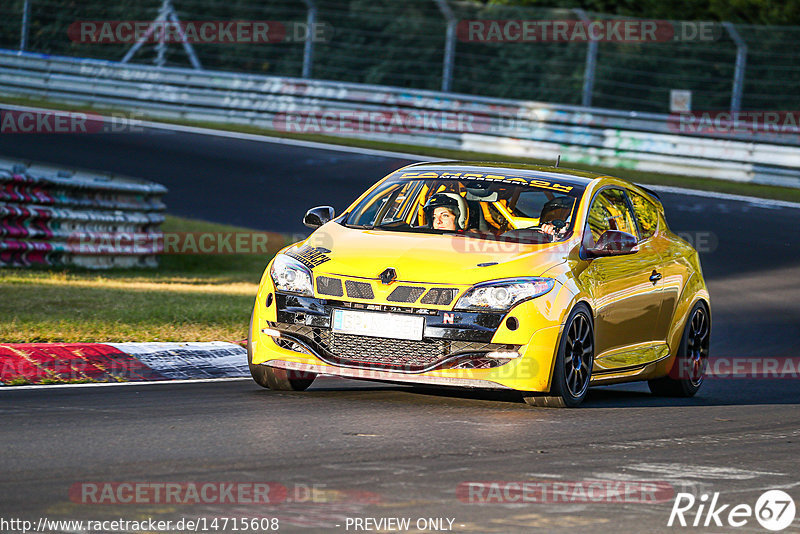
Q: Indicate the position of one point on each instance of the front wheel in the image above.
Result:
(686, 375)
(573, 369)
(277, 379)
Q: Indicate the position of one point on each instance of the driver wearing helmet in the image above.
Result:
(446, 211)
(555, 212)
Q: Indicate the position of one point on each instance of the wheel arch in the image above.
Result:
(694, 291)
(577, 300)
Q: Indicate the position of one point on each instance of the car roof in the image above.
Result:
(568, 176)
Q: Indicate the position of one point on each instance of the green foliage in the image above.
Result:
(765, 12)
(402, 44)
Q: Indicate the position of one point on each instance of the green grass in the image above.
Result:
(22, 381)
(707, 184)
(189, 298)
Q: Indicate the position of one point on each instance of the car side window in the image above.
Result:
(646, 214)
(610, 211)
(367, 210)
(399, 205)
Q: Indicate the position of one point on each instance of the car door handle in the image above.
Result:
(655, 277)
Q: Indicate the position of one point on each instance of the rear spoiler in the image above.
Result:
(649, 192)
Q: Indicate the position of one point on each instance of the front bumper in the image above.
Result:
(464, 349)
(450, 339)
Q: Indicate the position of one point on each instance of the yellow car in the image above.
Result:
(537, 279)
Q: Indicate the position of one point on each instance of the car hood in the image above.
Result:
(427, 258)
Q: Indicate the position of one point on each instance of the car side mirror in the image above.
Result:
(614, 243)
(316, 217)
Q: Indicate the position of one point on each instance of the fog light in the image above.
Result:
(271, 332)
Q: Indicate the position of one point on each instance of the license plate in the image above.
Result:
(374, 324)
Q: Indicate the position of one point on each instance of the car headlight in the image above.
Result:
(290, 275)
(503, 294)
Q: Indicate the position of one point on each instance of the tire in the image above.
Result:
(570, 383)
(686, 375)
(272, 378)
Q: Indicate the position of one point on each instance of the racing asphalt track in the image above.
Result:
(410, 448)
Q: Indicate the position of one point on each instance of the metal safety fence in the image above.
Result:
(563, 56)
(55, 217)
(680, 144)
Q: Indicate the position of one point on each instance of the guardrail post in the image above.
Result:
(741, 65)
(26, 14)
(187, 46)
(308, 47)
(166, 13)
(591, 64)
(449, 45)
(161, 46)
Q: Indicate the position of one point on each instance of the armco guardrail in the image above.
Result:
(641, 141)
(50, 217)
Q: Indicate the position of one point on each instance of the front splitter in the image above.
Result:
(385, 376)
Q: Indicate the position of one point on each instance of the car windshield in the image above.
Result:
(490, 206)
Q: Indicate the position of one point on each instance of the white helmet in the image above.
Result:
(451, 201)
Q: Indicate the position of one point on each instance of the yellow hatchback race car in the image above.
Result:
(499, 276)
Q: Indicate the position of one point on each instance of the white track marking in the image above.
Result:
(4, 389)
(675, 470)
(761, 202)
(179, 361)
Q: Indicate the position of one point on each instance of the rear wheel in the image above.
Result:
(573, 368)
(272, 378)
(686, 375)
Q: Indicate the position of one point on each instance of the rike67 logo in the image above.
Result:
(774, 510)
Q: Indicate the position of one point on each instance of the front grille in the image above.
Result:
(405, 294)
(358, 290)
(329, 286)
(392, 354)
(439, 296)
(360, 350)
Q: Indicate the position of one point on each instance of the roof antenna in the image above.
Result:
(558, 160)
